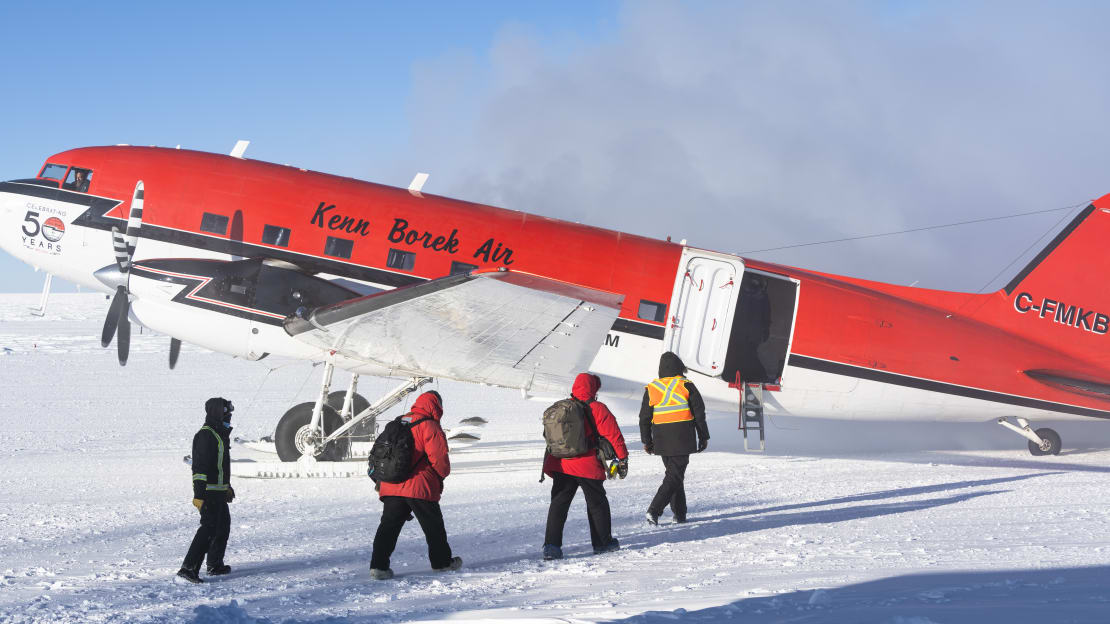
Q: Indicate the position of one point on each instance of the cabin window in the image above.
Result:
(54, 172)
(652, 311)
(78, 180)
(339, 247)
(213, 223)
(276, 236)
(398, 259)
(459, 268)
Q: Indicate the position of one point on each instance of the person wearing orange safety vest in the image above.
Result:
(672, 425)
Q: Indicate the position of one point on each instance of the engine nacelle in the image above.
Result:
(237, 308)
(211, 330)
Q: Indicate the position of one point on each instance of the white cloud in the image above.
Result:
(745, 126)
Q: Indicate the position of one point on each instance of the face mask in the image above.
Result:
(228, 409)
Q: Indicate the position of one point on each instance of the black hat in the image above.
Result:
(670, 365)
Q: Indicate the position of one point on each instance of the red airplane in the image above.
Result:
(250, 258)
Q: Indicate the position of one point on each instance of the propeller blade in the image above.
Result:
(123, 333)
(134, 220)
(124, 247)
(119, 247)
(112, 319)
(175, 350)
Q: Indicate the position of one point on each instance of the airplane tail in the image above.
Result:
(1062, 297)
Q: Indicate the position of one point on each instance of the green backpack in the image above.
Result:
(566, 428)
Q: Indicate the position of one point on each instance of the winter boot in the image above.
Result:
(217, 570)
(189, 575)
(652, 518)
(381, 575)
(551, 551)
(456, 563)
(610, 547)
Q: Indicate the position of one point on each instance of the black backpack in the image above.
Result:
(567, 426)
(391, 456)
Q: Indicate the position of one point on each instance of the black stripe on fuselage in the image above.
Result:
(639, 329)
(38, 182)
(858, 372)
(32, 189)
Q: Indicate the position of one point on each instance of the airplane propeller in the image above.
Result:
(175, 350)
(117, 322)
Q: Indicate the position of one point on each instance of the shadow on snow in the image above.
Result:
(1012, 596)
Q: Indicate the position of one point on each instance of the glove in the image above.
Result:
(198, 503)
(622, 467)
(702, 444)
(230, 494)
(649, 448)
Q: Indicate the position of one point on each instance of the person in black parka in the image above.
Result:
(672, 425)
(212, 491)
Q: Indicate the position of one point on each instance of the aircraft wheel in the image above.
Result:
(1051, 444)
(358, 404)
(293, 434)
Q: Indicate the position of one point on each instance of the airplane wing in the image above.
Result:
(502, 327)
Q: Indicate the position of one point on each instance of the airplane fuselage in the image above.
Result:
(842, 347)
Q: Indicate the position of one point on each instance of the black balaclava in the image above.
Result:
(217, 412)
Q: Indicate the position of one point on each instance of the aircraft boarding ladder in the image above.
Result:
(751, 411)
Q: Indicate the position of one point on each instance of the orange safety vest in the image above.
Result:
(670, 400)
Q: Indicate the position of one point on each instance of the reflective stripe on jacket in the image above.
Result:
(670, 400)
(211, 462)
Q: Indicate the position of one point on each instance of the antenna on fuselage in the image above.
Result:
(239, 149)
(418, 183)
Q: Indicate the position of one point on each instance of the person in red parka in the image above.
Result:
(419, 494)
(587, 472)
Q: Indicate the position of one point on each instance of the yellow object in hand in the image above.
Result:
(198, 503)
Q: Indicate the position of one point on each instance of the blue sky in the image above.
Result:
(326, 84)
(737, 125)
(323, 85)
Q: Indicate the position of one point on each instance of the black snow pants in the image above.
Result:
(396, 511)
(672, 491)
(211, 538)
(563, 488)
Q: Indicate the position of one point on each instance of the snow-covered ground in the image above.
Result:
(838, 522)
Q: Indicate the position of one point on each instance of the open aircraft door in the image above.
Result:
(703, 304)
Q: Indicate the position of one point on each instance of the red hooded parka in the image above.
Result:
(429, 459)
(588, 465)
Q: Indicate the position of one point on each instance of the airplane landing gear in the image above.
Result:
(1043, 441)
(324, 429)
(295, 435)
(1050, 443)
(338, 401)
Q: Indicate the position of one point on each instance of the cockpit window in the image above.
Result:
(78, 180)
(54, 172)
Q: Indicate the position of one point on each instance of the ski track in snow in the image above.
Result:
(96, 501)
